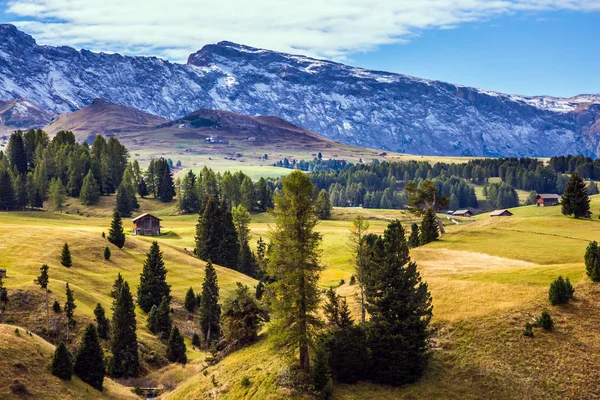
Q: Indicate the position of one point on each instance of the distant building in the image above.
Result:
(2, 272)
(463, 213)
(146, 225)
(501, 213)
(547, 199)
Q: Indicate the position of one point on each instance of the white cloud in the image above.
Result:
(329, 29)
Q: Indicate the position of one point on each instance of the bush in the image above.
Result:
(62, 363)
(561, 291)
(195, 340)
(352, 280)
(245, 382)
(106, 253)
(528, 331)
(56, 307)
(545, 321)
(592, 261)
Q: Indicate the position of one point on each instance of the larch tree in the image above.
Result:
(425, 196)
(125, 361)
(209, 309)
(115, 234)
(42, 280)
(58, 195)
(358, 230)
(294, 264)
(153, 280)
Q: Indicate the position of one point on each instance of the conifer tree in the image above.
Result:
(190, 300)
(117, 285)
(228, 250)
(42, 280)
(162, 319)
(242, 317)
(592, 261)
(216, 235)
(331, 309)
(15, 151)
(125, 360)
(107, 253)
(294, 264)
(142, 188)
(195, 340)
(69, 309)
(57, 194)
(358, 231)
(575, 200)
(413, 240)
(429, 228)
(176, 347)
(62, 365)
(592, 188)
(115, 234)
(90, 192)
(151, 321)
(320, 373)
(65, 256)
(153, 280)
(126, 200)
(260, 289)
(345, 318)
(89, 361)
(7, 192)
(210, 310)
(3, 300)
(400, 307)
(102, 323)
(323, 206)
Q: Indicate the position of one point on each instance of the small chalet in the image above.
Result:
(547, 199)
(146, 225)
(501, 213)
(463, 213)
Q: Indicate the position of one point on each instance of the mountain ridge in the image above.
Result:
(348, 104)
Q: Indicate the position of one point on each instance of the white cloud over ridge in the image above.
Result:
(330, 29)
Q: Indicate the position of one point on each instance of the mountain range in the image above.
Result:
(351, 105)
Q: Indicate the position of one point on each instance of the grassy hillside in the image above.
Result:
(487, 276)
(25, 364)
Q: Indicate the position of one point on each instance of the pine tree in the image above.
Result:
(153, 280)
(176, 347)
(90, 193)
(195, 340)
(575, 200)
(592, 261)
(413, 239)
(260, 289)
(242, 317)
(345, 318)
(115, 234)
(228, 250)
(15, 151)
(190, 300)
(102, 323)
(62, 365)
(69, 309)
(429, 228)
(7, 192)
(331, 309)
(210, 310)
(142, 189)
(42, 280)
(151, 321)
(107, 253)
(162, 319)
(117, 285)
(3, 300)
(454, 204)
(65, 256)
(323, 206)
(125, 361)
(294, 264)
(216, 235)
(89, 361)
(358, 231)
(400, 307)
(126, 200)
(57, 194)
(320, 373)
(561, 291)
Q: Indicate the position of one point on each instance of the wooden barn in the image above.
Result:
(146, 225)
(547, 199)
(463, 213)
(501, 213)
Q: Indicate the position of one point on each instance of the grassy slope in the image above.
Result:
(28, 358)
(487, 278)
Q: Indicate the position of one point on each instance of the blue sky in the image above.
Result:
(530, 47)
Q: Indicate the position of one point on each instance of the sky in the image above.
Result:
(529, 47)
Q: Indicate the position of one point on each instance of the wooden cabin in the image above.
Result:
(547, 199)
(463, 213)
(501, 213)
(146, 225)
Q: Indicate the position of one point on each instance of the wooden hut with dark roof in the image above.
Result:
(146, 225)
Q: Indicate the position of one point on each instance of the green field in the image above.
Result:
(487, 276)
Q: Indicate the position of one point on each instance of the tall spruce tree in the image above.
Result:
(69, 309)
(116, 288)
(575, 200)
(429, 227)
(153, 280)
(592, 261)
(65, 256)
(115, 234)
(294, 264)
(15, 151)
(7, 192)
(90, 193)
(176, 347)
(42, 280)
(209, 309)
(161, 319)
(331, 309)
(102, 323)
(62, 365)
(89, 361)
(358, 231)
(125, 361)
(216, 235)
(400, 307)
(323, 205)
(126, 201)
(190, 300)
